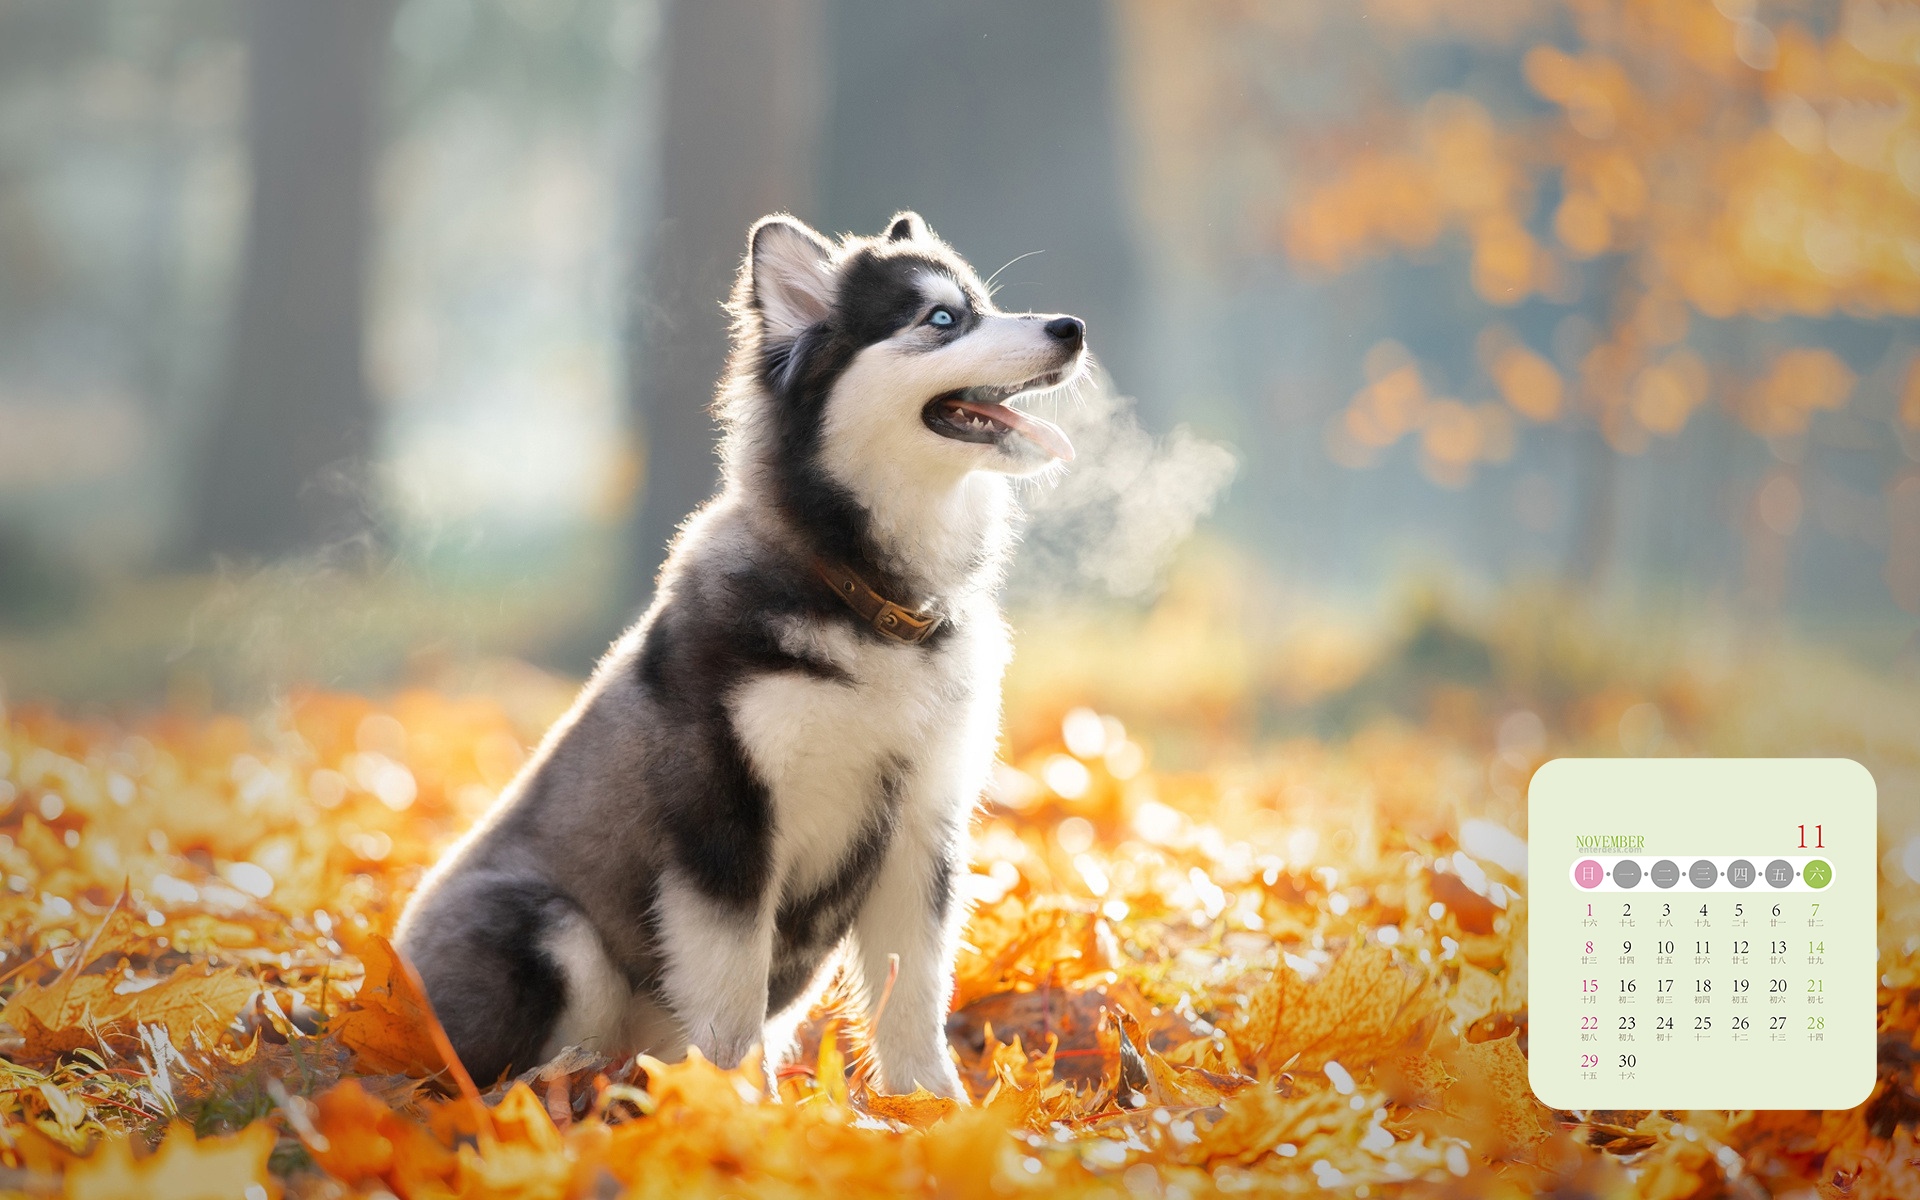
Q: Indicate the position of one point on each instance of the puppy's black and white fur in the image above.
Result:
(756, 775)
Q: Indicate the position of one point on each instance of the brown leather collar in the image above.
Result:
(888, 619)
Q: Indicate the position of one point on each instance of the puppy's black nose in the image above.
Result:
(1071, 330)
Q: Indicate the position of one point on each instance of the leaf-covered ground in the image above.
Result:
(1254, 959)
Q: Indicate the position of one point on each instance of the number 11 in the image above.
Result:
(1819, 838)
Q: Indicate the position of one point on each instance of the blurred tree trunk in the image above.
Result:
(1596, 515)
(285, 466)
(998, 121)
(739, 136)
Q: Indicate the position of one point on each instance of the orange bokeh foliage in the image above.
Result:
(1718, 160)
(1283, 973)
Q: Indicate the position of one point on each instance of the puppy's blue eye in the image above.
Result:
(941, 317)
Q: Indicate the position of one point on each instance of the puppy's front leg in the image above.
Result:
(913, 912)
(717, 958)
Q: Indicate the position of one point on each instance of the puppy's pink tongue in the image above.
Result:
(1041, 432)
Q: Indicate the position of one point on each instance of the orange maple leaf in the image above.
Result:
(1365, 1004)
(77, 1010)
(391, 1028)
(361, 1140)
(1493, 1097)
(183, 1168)
(919, 1109)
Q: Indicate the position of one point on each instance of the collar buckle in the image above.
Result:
(904, 626)
(895, 622)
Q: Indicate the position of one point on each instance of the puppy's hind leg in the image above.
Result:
(481, 944)
(598, 995)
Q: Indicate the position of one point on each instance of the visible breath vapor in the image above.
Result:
(1114, 519)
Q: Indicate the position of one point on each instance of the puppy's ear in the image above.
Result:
(788, 282)
(906, 227)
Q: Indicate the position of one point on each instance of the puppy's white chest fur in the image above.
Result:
(897, 719)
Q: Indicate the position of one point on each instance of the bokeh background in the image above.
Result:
(1546, 373)
(359, 343)
(1482, 382)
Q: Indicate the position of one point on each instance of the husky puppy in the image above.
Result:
(783, 754)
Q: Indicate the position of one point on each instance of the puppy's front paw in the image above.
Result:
(937, 1075)
(726, 1051)
(953, 1090)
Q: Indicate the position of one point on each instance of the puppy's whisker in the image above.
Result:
(1003, 266)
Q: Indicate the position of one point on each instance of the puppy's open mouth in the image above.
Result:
(983, 414)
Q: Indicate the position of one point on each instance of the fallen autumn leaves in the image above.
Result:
(1285, 976)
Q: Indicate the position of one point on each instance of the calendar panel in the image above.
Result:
(1701, 933)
